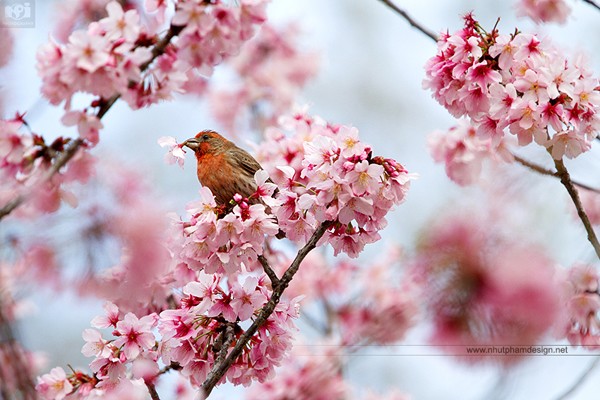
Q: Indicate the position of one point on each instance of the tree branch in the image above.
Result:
(565, 179)
(410, 20)
(152, 390)
(67, 155)
(541, 170)
(269, 271)
(592, 3)
(220, 368)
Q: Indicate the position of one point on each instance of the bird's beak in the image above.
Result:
(192, 143)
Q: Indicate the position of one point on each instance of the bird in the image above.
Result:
(223, 167)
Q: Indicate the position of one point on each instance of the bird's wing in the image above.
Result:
(245, 161)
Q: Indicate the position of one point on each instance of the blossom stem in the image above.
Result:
(220, 368)
(410, 20)
(565, 179)
(74, 145)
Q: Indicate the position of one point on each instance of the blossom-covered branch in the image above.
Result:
(219, 369)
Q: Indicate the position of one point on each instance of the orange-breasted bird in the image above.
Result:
(223, 167)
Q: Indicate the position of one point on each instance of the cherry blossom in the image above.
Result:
(332, 176)
(544, 10)
(317, 378)
(193, 334)
(176, 153)
(134, 334)
(462, 151)
(517, 83)
(484, 288)
(583, 327)
(54, 385)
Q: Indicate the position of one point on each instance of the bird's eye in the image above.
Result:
(205, 137)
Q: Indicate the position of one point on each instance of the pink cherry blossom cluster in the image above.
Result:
(102, 60)
(73, 14)
(591, 204)
(544, 10)
(518, 83)
(110, 57)
(484, 288)
(583, 306)
(325, 173)
(134, 345)
(271, 70)
(463, 152)
(194, 334)
(25, 159)
(226, 245)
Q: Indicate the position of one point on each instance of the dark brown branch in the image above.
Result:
(106, 105)
(592, 3)
(269, 271)
(410, 20)
(152, 390)
(541, 170)
(565, 179)
(219, 369)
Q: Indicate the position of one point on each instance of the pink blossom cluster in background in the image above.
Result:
(483, 287)
(583, 306)
(304, 377)
(514, 83)
(463, 152)
(25, 161)
(271, 69)
(544, 10)
(111, 56)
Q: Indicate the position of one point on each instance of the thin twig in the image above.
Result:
(541, 170)
(74, 145)
(534, 167)
(219, 369)
(592, 3)
(579, 381)
(269, 271)
(565, 179)
(410, 20)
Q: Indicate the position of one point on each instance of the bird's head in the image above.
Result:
(207, 142)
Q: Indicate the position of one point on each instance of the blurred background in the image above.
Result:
(370, 77)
